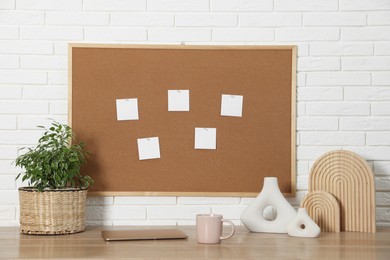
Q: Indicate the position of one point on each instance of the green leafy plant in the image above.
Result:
(55, 162)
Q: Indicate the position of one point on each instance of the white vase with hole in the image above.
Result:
(303, 226)
(270, 196)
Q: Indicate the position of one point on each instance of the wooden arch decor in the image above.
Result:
(324, 209)
(349, 178)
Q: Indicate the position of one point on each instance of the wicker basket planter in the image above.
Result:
(52, 212)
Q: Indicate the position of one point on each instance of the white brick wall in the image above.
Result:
(7, 213)
(114, 34)
(178, 5)
(320, 93)
(44, 62)
(26, 47)
(373, 33)
(380, 109)
(51, 33)
(365, 123)
(343, 82)
(8, 152)
(341, 49)
(378, 138)
(305, 5)
(208, 19)
(9, 62)
(9, 32)
(243, 34)
(21, 18)
(119, 5)
(49, 5)
(367, 93)
(10, 92)
(337, 109)
(382, 48)
(8, 122)
(143, 19)
(7, 4)
(334, 19)
(364, 5)
(318, 63)
(22, 107)
(338, 78)
(19, 137)
(378, 18)
(270, 20)
(241, 6)
(31, 122)
(76, 18)
(380, 78)
(307, 34)
(179, 34)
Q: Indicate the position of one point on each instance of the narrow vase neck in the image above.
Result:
(270, 184)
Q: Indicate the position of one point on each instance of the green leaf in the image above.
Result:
(55, 161)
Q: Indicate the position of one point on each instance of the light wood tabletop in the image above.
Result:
(243, 245)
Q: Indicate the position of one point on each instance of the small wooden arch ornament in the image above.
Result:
(324, 209)
(349, 178)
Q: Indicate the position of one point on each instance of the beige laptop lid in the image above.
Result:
(143, 234)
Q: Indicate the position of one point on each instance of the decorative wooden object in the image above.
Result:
(349, 178)
(324, 209)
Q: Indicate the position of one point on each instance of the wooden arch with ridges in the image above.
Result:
(324, 209)
(349, 178)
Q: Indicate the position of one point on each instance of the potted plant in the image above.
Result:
(54, 202)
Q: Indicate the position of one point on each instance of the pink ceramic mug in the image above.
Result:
(209, 228)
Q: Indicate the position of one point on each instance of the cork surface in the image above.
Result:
(261, 143)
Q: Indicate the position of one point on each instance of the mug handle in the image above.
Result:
(233, 229)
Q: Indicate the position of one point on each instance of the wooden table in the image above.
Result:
(244, 245)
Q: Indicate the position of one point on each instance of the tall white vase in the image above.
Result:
(252, 217)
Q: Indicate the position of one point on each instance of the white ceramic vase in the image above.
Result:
(253, 216)
(303, 226)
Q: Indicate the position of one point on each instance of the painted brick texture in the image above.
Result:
(343, 79)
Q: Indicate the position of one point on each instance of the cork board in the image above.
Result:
(261, 143)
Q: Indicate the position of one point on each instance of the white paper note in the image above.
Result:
(205, 138)
(148, 148)
(231, 105)
(179, 100)
(127, 109)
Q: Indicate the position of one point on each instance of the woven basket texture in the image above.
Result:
(52, 212)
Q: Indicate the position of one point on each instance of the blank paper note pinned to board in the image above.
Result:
(205, 138)
(127, 109)
(179, 100)
(231, 105)
(148, 148)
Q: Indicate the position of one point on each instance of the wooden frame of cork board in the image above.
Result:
(261, 143)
